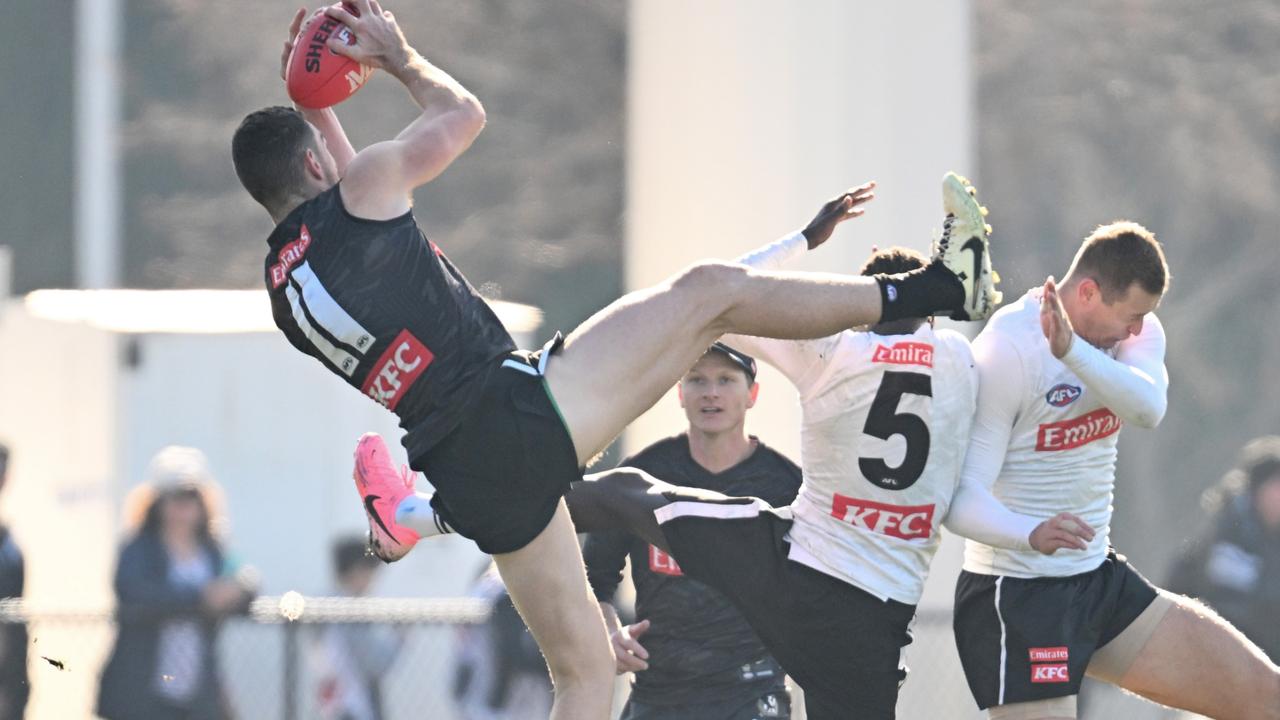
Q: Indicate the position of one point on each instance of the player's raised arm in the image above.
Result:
(325, 120)
(800, 361)
(1134, 384)
(378, 183)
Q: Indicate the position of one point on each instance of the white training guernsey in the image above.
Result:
(886, 422)
(1046, 429)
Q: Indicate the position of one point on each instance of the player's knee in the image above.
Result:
(711, 280)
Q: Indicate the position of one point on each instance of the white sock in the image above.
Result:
(415, 512)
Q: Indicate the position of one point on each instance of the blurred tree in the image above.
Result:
(36, 142)
(532, 209)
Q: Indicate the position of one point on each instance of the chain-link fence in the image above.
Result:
(271, 667)
(275, 668)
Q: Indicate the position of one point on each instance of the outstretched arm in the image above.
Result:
(378, 182)
(326, 120)
(1134, 385)
(800, 360)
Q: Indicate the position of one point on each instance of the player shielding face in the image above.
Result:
(1062, 370)
(501, 433)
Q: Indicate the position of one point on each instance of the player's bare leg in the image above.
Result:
(548, 585)
(619, 362)
(1194, 660)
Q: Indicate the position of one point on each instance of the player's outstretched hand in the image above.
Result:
(1063, 530)
(631, 655)
(1054, 321)
(294, 27)
(379, 41)
(847, 205)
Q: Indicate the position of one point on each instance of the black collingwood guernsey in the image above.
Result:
(697, 640)
(385, 310)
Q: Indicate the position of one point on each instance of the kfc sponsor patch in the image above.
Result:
(395, 372)
(1050, 673)
(908, 522)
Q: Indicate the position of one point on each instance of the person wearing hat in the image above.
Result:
(173, 587)
(1235, 565)
(692, 652)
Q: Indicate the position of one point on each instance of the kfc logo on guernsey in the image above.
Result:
(1062, 395)
(395, 372)
(904, 353)
(1073, 433)
(289, 256)
(908, 522)
(1051, 673)
(662, 563)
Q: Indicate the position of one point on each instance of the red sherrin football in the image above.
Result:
(317, 77)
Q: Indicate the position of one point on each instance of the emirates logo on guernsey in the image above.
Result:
(1070, 434)
(904, 353)
(290, 255)
(662, 563)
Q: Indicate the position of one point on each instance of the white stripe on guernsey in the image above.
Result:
(328, 313)
(692, 508)
(1003, 649)
(517, 365)
(342, 359)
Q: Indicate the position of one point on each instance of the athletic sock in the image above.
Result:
(416, 513)
(930, 290)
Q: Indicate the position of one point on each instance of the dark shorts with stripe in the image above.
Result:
(500, 474)
(838, 642)
(1024, 639)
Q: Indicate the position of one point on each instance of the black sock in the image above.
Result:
(930, 290)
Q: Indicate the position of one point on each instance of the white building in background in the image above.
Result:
(95, 382)
(743, 117)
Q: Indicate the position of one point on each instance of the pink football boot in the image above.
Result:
(381, 489)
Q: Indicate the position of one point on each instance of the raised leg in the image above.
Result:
(548, 585)
(625, 498)
(619, 362)
(1195, 660)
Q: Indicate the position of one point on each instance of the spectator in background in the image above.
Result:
(13, 636)
(1235, 566)
(354, 656)
(173, 587)
(499, 672)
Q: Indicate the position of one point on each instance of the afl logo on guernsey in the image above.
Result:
(1062, 395)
